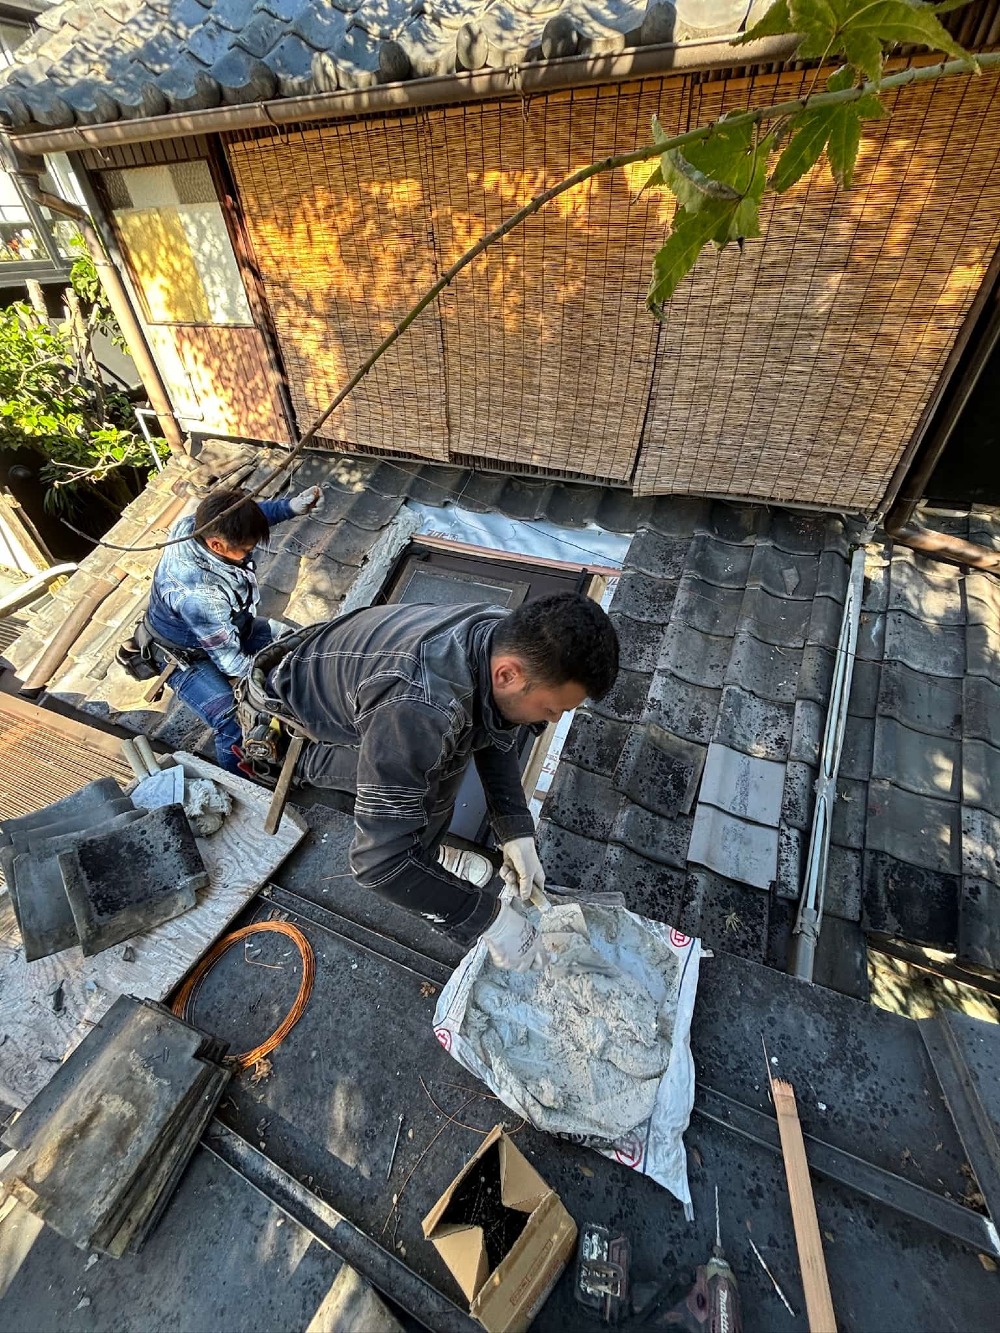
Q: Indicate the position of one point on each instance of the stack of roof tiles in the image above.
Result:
(93, 870)
(101, 1148)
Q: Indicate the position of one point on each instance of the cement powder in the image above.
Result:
(583, 1044)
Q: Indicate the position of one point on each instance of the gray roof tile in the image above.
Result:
(980, 845)
(621, 511)
(936, 650)
(319, 25)
(804, 534)
(983, 598)
(651, 553)
(659, 771)
(792, 849)
(719, 562)
(833, 574)
(576, 506)
(753, 725)
(260, 35)
(930, 704)
(918, 830)
(763, 669)
(927, 589)
(581, 801)
(291, 61)
(981, 774)
(799, 794)
(242, 78)
(929, 766)
(680, 516)
(734, 847)
(859, 741)
(816, 674)
(662, 841)
(865, 684)
(850, 813)
(705, 607)
(627, 700)
(738, 524)
(595, 742)
(783, 575)
(825, 618)
(982, 645)
(981, 708)
(844, 876)
(778, 620)
(909, 901)
(210, 42)
(979, 924)
(639, 642)
(657, 891)
(742, 785)
(700, 659)
(807, 732)
(643, 597)
(726, 915)
(685, 709)
(572, 860)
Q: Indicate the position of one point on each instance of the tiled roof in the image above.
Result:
(690, 787)
(729, 619)
(94, 61)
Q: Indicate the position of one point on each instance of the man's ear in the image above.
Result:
(508, 673)
(215, 545)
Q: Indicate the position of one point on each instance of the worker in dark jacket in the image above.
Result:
(203, 603)
(400, 698)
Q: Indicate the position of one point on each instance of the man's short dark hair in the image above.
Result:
(241, 526)
(560, 638)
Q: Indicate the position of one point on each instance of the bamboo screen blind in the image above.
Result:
(342, 231)
(798, 371)
(795, 372)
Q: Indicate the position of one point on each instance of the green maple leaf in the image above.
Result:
(836, 128)
(717, 216)
(859, 30)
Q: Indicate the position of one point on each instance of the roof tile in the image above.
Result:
(662, 557)
(700, 659)
(704, 607)
(764, 669)
(850, 813)
(639, 642)
(917, 830)
(662, 841)
(753, 725)
(726, 915)
(783, 575)
(718, 562)
(937, 650)
(929, 766)
(734, 847)
(908, 901)
(581, 801)
(685, 709)
(659, 771)
(573, 861)
(595, 742)
(981, 708)
(979, 924)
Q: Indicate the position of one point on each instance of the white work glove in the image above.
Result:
(514, 943)
(309, 499)
(521, 870)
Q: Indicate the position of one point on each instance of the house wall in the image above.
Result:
(795, 371)
(197, 301)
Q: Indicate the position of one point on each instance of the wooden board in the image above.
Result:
(240, 858)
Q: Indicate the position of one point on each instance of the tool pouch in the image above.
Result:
(135, 655)
(265, 729)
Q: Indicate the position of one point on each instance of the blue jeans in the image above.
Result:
(205, 690)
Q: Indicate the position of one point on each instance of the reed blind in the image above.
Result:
(795, 371)
(798, 370)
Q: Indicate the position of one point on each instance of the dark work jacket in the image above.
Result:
(399, 699)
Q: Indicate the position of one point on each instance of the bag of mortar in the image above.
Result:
(595, 1047)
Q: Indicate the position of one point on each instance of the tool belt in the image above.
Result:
(266, 730)
(137, 655)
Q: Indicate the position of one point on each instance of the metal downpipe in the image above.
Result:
(805, 934)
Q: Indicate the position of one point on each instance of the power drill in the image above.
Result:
(713, 1303)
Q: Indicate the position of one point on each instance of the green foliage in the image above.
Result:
(87, 285)
(85, 430)
(719, 184)
(719, 181)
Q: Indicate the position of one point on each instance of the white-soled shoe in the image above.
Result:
(473, 866)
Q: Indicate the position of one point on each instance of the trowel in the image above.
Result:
(568, 945)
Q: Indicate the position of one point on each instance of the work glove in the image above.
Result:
(309, 499)
(521, 870)
(514, 943)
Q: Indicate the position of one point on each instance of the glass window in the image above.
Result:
(20, 242)
(12, 34)
(173, 230)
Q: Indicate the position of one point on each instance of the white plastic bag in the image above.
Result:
(596, 1048)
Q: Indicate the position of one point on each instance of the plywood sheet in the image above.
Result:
(240, 858)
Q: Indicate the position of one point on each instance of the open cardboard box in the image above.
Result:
(504, 1295)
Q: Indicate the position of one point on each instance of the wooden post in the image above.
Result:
(819, 1304)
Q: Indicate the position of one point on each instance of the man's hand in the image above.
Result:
(514, 943)
(521, 870)
(307, 500)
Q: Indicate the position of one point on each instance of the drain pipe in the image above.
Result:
(805, 935)
(27, 172)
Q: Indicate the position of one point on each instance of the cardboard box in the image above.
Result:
(504, 1235)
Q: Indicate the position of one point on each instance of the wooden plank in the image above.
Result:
(819, 1304)
(240, 858)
